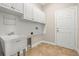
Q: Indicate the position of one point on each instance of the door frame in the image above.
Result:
(76, 25)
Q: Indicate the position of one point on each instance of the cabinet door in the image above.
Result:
(42, 17)
(18, 7)
(6, 4)
(10, 47)
(28, 11)
(38, 15)
(22, 44)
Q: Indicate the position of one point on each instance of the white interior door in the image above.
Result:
(65, 27)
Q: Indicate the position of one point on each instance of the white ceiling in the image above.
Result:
(42, 5)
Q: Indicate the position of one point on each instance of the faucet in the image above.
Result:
(11, 33)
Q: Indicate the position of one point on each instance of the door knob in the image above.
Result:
(57, 30)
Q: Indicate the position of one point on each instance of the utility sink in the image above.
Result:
(9, 37)
(12, 44)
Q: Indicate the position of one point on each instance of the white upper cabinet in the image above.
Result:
(28, 11)
(6, 4)
(12, 8)
(33, 13)
(43, 17)
(18, 7)
(38, 15)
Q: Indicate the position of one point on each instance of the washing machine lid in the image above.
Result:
(11, 37)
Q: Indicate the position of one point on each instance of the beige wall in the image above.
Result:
(78, 29)
(49, 29)
(50, 26)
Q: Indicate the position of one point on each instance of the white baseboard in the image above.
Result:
(48, 43)
(33, 45)
(77, 50)
(43, 42)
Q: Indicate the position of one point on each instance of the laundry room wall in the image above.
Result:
(78, 28)
(24, 28)
(21, 27)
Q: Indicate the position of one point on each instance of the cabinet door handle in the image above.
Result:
(12, 7)
(18, 40)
